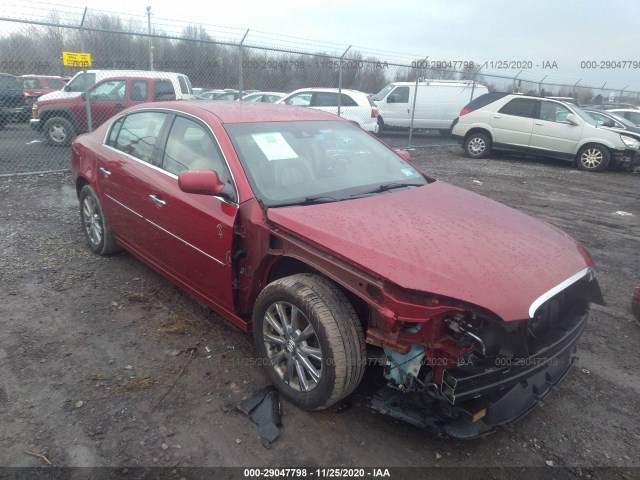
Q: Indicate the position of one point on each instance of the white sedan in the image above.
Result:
(354, 105)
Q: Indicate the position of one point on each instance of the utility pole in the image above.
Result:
(150, 39)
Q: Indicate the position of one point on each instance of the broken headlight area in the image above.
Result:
(481, 373)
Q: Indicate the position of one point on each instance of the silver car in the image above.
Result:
(540, 127)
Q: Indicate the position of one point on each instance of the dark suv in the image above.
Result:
(12, 99)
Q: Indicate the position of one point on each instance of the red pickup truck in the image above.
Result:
(61, 119)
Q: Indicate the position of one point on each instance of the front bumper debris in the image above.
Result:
(477, 399)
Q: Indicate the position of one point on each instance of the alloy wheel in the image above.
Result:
(92, 220)
(292, 345)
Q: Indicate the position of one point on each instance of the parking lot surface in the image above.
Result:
(97, 371)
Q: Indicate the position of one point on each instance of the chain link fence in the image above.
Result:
(135, 61)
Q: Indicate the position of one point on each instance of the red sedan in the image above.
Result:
(303, 228)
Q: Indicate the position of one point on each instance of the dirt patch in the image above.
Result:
(104, 331)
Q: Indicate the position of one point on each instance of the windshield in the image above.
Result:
(383, 93)
(305, 162)
(622, 120)
(584, 115)
(79, 83)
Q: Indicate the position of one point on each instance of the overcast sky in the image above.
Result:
(560, 31)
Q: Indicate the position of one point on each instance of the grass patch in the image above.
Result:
(175, 325)
(137, 297)
(134, 385)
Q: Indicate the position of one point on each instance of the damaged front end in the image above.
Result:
(463, 373)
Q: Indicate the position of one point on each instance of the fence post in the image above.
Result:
(473, 85)
(575, 95)
(622, 93)
(514, 80)
(340, 79)
(150, 39)
(540, 85)
(240, 48)
(413, 110)
(87, 102)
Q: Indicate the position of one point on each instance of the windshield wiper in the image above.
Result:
(311, 201)
(385, 187)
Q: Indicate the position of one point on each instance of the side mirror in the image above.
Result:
(406, 156)
(200, 182)
(608, 123)
(572, 119)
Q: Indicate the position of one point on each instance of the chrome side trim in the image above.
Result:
(186, 243)
(123, 206)
(558, 288)
(167, 231)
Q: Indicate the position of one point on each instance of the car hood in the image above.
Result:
(59, 94)
(444, 240)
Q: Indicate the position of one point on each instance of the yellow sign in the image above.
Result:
(72, 59)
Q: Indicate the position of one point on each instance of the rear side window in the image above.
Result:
(139, 90)
(520, 107)
(164, 90)
(330, 99)
(139, 133)
(113, 134)
(484, 100)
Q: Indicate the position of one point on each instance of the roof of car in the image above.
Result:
(245, 112)
(332, 90)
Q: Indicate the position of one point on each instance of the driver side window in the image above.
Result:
(111, 90)
(191, 147)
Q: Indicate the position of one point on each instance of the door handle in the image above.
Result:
(497, 116)
(157, 201)
(104, 171)
(118, 106)
(539, 123)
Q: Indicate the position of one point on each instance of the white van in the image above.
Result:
(78, 84)
(438, 103)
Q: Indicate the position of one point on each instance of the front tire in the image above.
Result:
(310, 340)
(58, 131)
(477, 145)
(95, 227)
(593, 158)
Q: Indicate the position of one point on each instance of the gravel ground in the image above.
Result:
(90, 346)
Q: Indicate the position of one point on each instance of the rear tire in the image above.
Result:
(381, 125)
(593, 158)
(310, 340)
(477, 145)
(94, 223)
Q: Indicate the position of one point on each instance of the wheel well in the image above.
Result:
(481, 130)
(288, 266)
(80, 182)
(47, 114)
